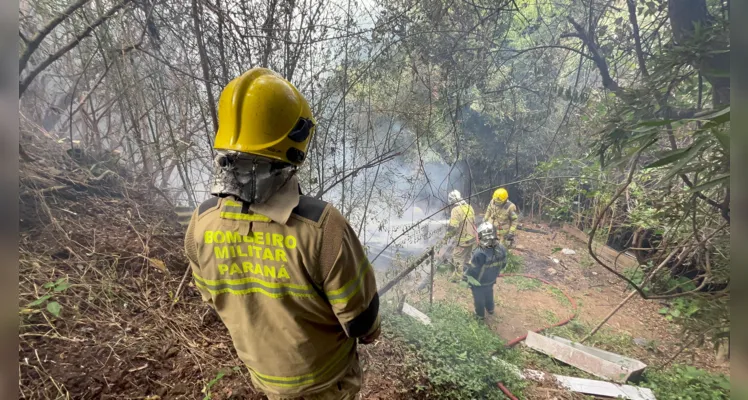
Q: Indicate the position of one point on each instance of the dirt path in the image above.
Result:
(524, 304)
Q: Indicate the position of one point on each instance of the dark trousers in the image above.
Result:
(483, 299)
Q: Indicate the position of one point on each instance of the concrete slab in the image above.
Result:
(600, 363)
(413, 312)
(595, 388)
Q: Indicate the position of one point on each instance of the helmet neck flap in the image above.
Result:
(250, 178)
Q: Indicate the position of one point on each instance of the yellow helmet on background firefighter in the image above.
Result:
(500, 194)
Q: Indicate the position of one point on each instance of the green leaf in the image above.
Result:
(718, 180)
(656, 122)
(663, 310)
(555, 249)
(48, 285)
(54, 308)
(472, 281)
(692, 152)
(62, 287)
(39, 301)
(668, 157)
(724, 384)
(716, 117)
(723, 138)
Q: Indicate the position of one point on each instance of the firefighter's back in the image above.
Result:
(268, 284)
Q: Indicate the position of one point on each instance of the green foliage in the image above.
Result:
(52, 306)
(462, 357)
(514, 263)
(522, 283)
(209, 385)
(687, 383)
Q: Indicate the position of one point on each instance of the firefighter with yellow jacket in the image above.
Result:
(502, 213)
(461, 226)
(285, 272)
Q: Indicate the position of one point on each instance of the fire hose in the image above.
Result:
(516, 340)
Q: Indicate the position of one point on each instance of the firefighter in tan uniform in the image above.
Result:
(285, 272)
(502, 213)
(461, 226)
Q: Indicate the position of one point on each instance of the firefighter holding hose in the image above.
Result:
(461, 227)
(502, 213)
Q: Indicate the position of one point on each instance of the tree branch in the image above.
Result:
(25, 82)
(637, 39)
(204, 64)
(597, 58)
(34, 43)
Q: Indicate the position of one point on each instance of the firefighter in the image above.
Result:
(502, 213)
(488, 259)
(285, 273)
(461, 226)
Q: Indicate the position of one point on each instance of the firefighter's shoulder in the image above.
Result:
(207, 206)
(311, 210)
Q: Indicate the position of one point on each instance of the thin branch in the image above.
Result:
(637, 39)
(34, 43)
(25, 82)
(597, 58)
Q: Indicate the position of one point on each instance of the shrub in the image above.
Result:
(462, 356)
(687, 383)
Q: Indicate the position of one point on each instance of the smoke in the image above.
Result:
(417, 191)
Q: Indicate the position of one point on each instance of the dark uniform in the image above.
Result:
(485, 266)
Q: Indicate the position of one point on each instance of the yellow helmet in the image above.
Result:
(501, 194)
(263, 114)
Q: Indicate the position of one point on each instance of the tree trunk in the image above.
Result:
(685, 15)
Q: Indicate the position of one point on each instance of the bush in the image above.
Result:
(514, 263)
(687, 383)
(462, 357)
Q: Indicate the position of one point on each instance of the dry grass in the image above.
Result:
(116, 251)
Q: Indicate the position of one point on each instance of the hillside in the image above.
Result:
(106, 311)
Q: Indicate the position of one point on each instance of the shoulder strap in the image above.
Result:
(207, 205)
(310, 208)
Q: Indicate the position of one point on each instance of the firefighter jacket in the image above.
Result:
(486, 264)
(462, 223)
(291, 282)
(503, 216)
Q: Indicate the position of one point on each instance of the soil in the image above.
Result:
(523, 304)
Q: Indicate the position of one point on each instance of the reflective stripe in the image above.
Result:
(232, 203)
(254, 285)
(310, 378)
(347, 291)
(252, 280)
(244, 217)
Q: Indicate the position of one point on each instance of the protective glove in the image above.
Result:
(370, 338)
(509, 236)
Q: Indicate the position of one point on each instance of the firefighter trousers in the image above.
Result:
(461, 257)
(347, 388)
(483, 300)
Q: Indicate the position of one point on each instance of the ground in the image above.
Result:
(525, 304)
(106, 310)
